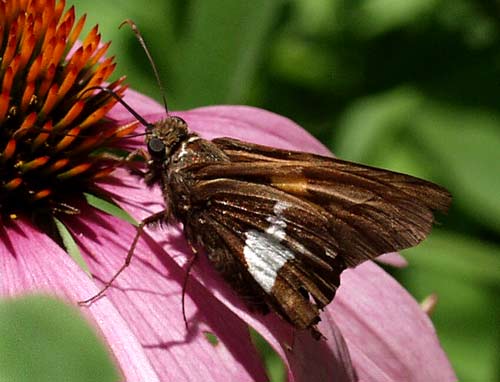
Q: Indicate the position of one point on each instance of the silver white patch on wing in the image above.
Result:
(263, 251)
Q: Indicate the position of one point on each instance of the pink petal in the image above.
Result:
(31, 262)
(147, 296)
(394, 259)
(389, 337)
(253, 125)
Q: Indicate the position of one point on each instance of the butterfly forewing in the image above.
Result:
(369, 211)
(280, 226)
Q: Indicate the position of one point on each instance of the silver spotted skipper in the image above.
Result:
(280, 226)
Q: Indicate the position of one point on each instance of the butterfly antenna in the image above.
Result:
(113, 94)
(138, 34)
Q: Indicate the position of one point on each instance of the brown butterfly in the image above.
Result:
(280, 226)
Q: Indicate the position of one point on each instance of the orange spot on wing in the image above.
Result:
(293, 185)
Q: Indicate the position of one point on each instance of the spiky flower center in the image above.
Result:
(50, 126)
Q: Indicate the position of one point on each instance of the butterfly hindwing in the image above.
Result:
(283, 244)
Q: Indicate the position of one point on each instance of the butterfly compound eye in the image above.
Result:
(156, 147)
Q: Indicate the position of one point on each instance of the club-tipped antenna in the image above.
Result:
(138, 34)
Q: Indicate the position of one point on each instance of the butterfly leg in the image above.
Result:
(129, 158)
(140, 228)
(191, 262)
(126, 161)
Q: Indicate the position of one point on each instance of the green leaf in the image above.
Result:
(220, 51)
(274, 365)
(466, 258)
(373, 120)
(466, 142)
(156, 23)
(291, 54)
(465, 275)
(465, 319)
(42, 339)
(319, 17)
(110, 208)
(379, 16)
(68, 240)
(71, 246)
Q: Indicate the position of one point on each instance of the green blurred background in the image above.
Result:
(410, 85)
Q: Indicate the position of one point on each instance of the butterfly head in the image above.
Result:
(163, 137)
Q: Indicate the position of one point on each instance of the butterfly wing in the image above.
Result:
(371, 210)
(271, 247)
(282, 225)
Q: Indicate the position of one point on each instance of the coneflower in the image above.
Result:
(52, 135)
(51, 127)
